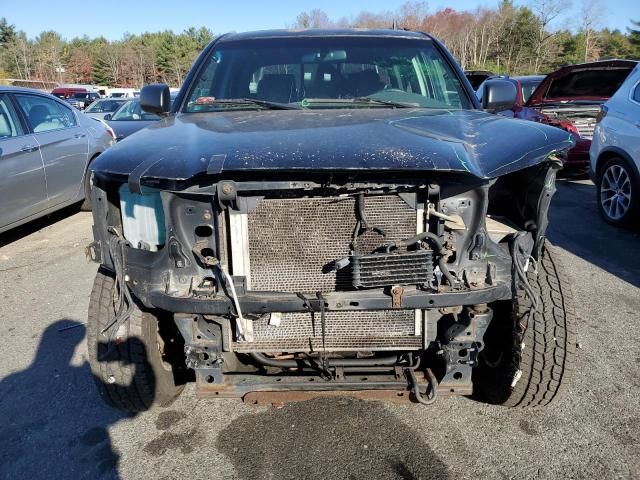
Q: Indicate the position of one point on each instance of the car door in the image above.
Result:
(63, 143)
(633, 115)
(23, 190)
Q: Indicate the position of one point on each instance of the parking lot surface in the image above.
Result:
(54, 425)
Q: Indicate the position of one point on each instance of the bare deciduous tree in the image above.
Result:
(547, 12)
(592, 15)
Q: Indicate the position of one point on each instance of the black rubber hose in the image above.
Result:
(332, 362)
(438, 247)
(433, 383)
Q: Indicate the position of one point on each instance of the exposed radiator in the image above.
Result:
(292, 244)
(345, 331)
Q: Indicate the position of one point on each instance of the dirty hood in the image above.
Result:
(179, 148)
(595, 82)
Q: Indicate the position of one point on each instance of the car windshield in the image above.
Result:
(132, 111)
(104, 106)
(326, 72)
(528, 88)
(80, 95)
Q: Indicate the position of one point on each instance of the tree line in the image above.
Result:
(507, 39)
(131, 61)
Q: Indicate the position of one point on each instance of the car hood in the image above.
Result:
(124, 128)
(473, 142)
(595, 82)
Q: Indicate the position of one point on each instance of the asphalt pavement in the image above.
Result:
(53, 424)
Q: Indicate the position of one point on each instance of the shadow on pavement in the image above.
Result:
(328, 438)
(27, 229)
(53, 422)
(576, 226)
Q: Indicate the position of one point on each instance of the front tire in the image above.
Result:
(133, 372)
(528, 356)
(618, 193)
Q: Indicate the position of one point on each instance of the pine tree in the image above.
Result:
(7, 32)
(634, 34)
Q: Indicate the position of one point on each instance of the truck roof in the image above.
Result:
(321, 32)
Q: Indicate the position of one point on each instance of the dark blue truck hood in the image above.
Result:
(179, 148)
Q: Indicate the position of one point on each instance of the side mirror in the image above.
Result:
(107, 117)
(155, 98)
(499, 95)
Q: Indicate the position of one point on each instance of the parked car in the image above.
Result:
(67, 92)
(570, 99)
(129, 118)
(103, 106)
(122, 92)
(46, 148)
(83, 99)
(328, 210)
(476, 77)
(615, 154)
(525, 86)
(74, 102)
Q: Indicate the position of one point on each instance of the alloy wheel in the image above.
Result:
(615, 192)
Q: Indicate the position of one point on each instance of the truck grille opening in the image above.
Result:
(292, 245)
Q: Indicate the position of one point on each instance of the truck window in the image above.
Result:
(295, 70)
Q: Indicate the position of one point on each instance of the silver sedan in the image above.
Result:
(46, 148)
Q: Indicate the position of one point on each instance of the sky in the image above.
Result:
(112, 19)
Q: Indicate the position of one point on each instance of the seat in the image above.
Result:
(5, 126)
(365, 83)
(38, 115)
(326, 82)
(277, 87)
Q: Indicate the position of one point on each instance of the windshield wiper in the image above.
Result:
(252, 101)
(358, 100)
(390, 103)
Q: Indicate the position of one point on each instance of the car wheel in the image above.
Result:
(529, 354)
(137, 367)
(618, 195)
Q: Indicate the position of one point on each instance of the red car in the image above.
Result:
(570, 98)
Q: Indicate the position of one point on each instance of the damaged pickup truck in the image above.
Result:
(328, 213)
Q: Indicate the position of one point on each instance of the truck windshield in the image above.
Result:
(327, 72)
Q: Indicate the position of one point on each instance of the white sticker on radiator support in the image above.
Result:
(275, 318)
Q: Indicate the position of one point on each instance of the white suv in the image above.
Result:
(615, 154)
